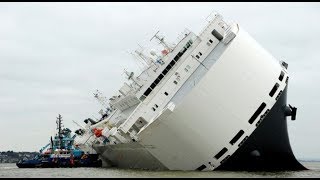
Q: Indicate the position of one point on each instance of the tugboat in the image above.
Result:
(61, 153)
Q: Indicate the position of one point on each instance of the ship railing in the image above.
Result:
(212, 16)
(182, 35)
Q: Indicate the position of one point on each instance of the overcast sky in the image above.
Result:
(53, 56)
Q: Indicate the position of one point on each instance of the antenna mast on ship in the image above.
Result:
(146, 59)
(102, 99)
(140, 61)
(59, 124)
(131, 77)
(161, 39)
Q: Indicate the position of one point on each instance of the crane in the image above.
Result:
(44, 147)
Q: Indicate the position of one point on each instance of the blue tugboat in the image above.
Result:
(61, 153)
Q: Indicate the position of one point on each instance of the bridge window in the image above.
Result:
(148, 91)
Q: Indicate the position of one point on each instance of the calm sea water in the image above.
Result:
(11, 170)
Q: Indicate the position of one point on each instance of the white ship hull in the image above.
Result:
(195, 129)
(270, 140)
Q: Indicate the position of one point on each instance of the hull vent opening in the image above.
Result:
(221, 153)
(202, 167)
(274, 89)
(256, 114)
(281, 76)
(236, 137)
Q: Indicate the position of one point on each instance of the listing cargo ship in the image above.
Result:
(216, 100)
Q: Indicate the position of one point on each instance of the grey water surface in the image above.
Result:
(11, 170)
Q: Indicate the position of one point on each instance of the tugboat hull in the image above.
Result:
(91, 161)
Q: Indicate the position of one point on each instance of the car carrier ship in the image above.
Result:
(216, 100)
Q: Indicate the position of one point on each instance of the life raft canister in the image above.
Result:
(97, 132)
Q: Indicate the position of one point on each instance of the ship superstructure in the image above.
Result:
(216, 100)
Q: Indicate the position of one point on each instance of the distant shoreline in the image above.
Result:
(14, 157)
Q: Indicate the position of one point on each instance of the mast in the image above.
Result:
(51, 144)
(161, 41)
(59, 124)
(148, 60)
(101, 98)
(131, 77)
